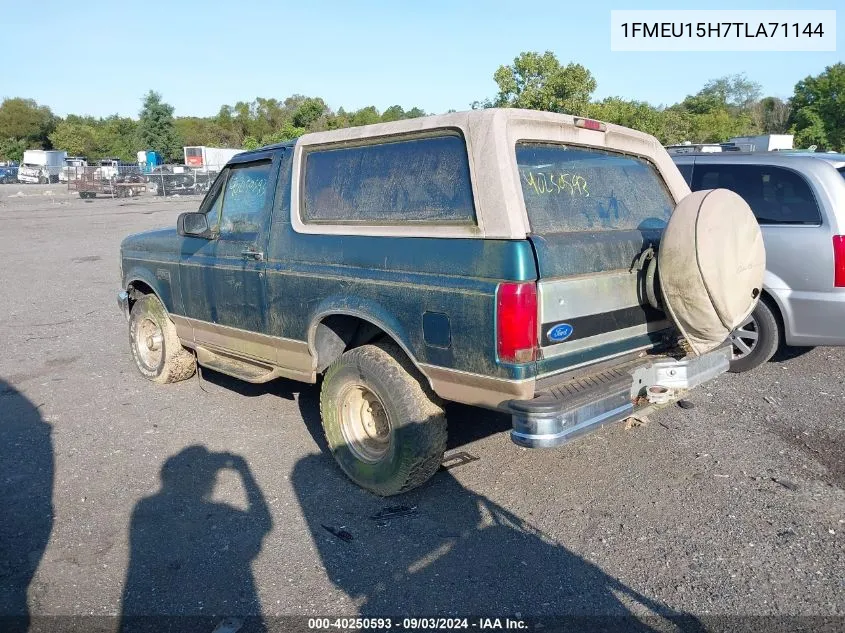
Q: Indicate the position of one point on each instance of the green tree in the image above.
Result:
(118, 137)
(723, 108)
(206, 131)
(771, 115)
(737, 91)
(539, 82)
(250, 142)
(156, 129)
(393, 113)
(810, 129)
(720, 125)
(308, 112)
(365, 116)
(25, 120)
(819, 108)
(12, 149)
(78, 139)
(287, 133)
(638, 115)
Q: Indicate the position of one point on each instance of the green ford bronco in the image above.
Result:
(553, 267)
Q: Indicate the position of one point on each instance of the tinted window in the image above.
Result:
(776, 195)
(686, 171)
(244, 200)
(569, 189)
(412, 181)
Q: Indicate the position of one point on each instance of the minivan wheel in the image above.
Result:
(756, 340)
(384, 426)
(156, 349)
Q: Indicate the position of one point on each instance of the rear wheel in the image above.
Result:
(384, 426)
(756, 340)
(156, 349)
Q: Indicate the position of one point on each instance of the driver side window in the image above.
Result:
(212, 205)
(244, 201)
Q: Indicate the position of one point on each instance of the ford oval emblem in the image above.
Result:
(560, 332)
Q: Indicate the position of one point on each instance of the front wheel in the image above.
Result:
(756, 340)
(156, 349)
(384, 426)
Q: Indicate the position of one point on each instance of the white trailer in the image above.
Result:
(763, 143)
(206, 159)
(41, 166)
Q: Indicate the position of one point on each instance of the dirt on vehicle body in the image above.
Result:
(547, 265)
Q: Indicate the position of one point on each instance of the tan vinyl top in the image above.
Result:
(491, 136)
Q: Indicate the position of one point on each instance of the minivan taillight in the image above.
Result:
(839, 261)
(516, 322)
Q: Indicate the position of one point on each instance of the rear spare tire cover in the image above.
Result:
(711, 263)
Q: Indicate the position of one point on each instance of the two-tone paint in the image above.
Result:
(432, 292)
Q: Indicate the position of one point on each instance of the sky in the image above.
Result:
(99, 58)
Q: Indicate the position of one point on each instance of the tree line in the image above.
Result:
(725, 107)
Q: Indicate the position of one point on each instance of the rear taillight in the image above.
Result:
(839, 261)
(516, 322)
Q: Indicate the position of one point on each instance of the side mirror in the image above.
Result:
(193, 224)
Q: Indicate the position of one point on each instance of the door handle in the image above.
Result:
(252, 254)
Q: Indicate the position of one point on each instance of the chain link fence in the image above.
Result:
(120, 180)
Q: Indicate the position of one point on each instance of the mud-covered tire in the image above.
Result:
(156, 349)
(413, 413)
(765, 323)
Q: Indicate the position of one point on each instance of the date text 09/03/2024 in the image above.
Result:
(415, 624)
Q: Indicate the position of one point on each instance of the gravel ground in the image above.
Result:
(209, 497)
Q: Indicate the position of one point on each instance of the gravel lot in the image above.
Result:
(735, 507)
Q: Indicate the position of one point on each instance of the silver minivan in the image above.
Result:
(799, 201)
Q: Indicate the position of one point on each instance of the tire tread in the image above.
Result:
(422, 456)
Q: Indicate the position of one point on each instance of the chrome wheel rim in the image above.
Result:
(745, 338)
(149, 343)
(364, 423)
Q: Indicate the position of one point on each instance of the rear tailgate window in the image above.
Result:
(575, 189)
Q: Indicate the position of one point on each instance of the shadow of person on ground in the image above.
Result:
(26, 501)
(191, 556)
(458, 554)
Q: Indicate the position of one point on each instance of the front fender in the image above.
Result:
(159, 281)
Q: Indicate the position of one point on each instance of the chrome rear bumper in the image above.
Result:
(556, 416)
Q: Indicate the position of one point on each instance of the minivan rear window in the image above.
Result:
(776, 195)
(575, 189)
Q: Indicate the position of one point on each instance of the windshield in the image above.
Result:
(572, 189)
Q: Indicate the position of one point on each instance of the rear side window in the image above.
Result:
(571, 189)
(775, 195)
(421, 180)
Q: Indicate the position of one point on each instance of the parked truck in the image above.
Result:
(41, 166)
(72, 167)
(207, 159)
